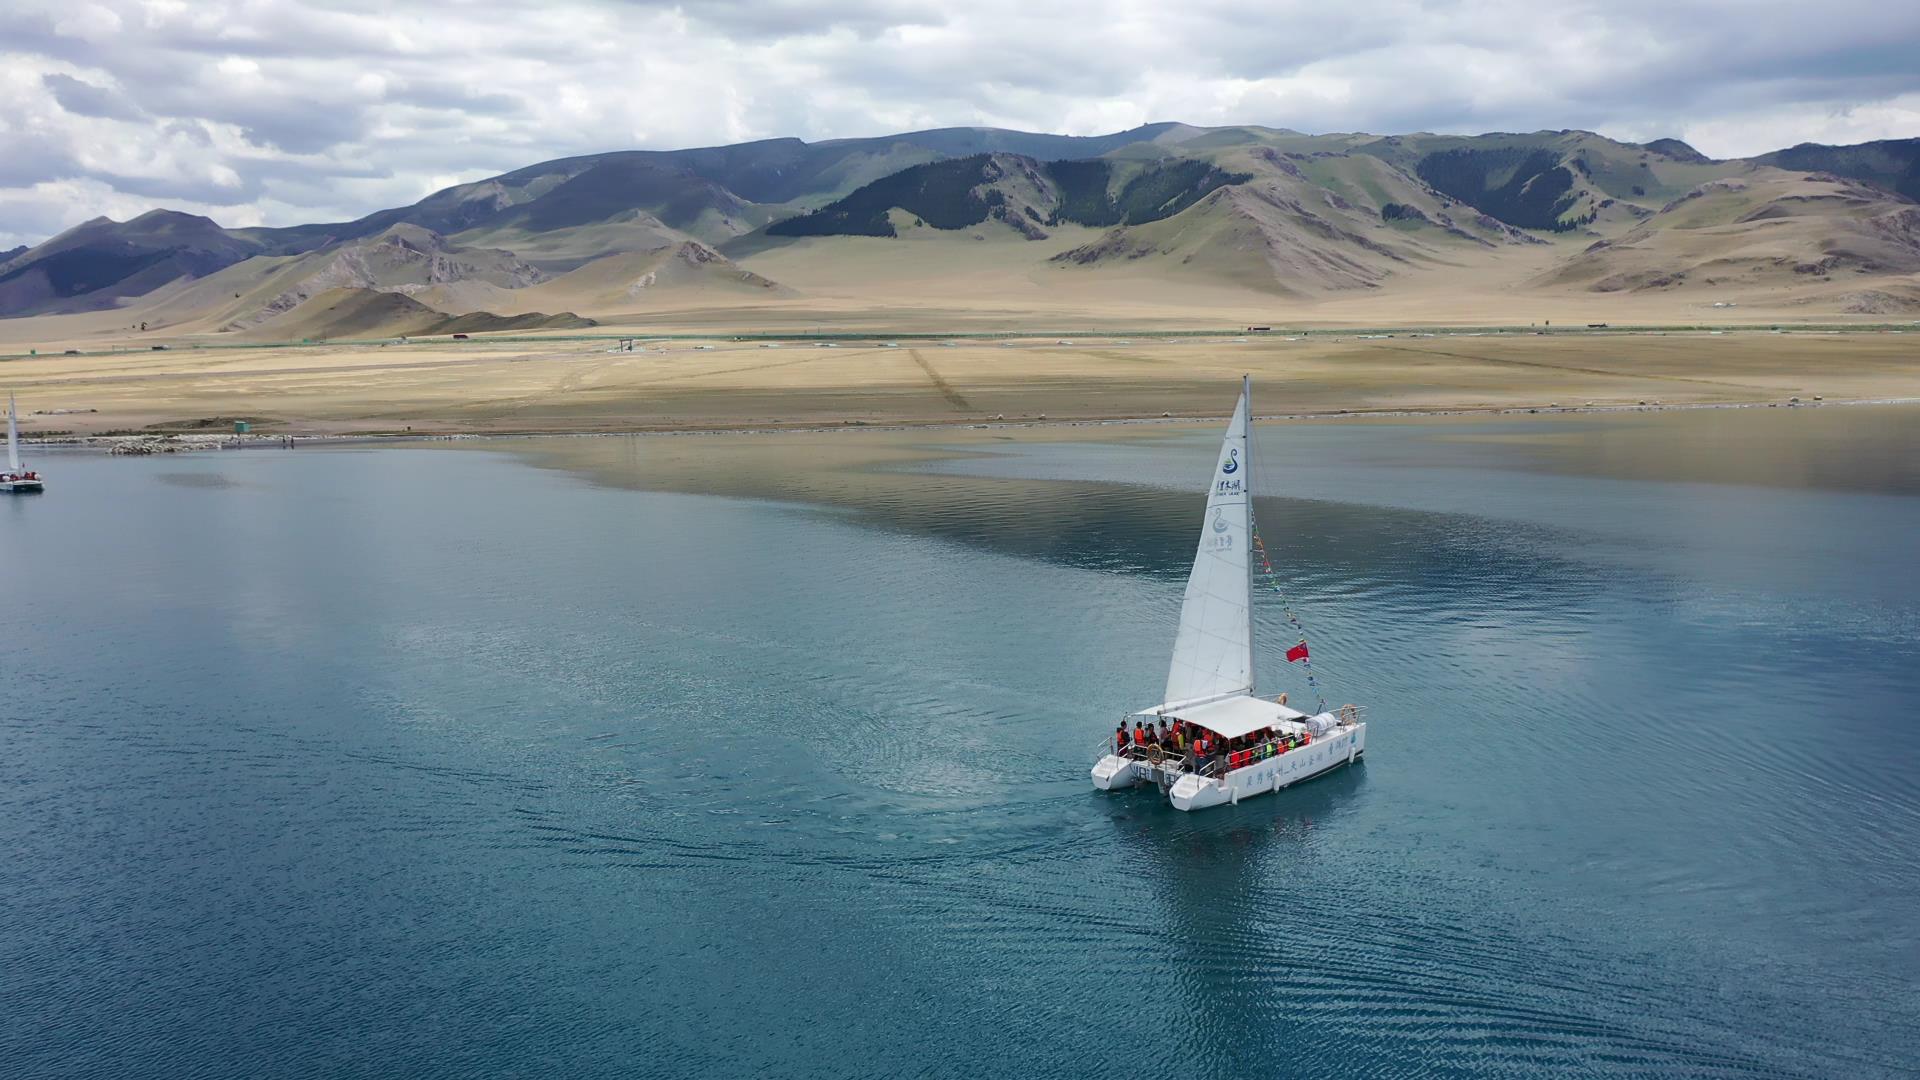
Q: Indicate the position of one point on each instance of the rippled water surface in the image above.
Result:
(722, 756)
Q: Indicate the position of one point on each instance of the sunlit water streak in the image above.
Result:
(404, 762)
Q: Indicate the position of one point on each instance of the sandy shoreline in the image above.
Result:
(535, 385)
(188, 443)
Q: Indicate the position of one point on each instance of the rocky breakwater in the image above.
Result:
(143, 445)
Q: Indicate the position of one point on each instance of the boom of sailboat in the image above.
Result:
(1212, 740)
(17, 479)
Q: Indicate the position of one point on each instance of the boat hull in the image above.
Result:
(19, 487)
(1113, 772)
(1325, 754)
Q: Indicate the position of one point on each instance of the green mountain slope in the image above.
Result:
(1018, 190)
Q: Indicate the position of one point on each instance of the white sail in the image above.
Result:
(1213, 654)
(13, 439)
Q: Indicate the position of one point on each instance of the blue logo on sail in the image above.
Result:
(1233, 462)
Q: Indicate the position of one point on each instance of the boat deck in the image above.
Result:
(1155, 765)
(1228, 777)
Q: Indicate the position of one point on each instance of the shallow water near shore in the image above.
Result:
(728, 755)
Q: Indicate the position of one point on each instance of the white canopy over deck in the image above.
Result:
(1232, 717)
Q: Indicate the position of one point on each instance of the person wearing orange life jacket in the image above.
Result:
(1120, 738)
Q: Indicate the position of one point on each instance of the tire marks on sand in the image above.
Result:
(1542, 365)
(953, 397)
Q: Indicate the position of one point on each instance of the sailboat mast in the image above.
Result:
(1246, 391)
(13, 438)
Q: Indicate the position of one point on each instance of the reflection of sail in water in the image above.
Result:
(1224, 743)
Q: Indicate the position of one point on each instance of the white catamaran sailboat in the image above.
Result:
(17, 477)
(1231, 744)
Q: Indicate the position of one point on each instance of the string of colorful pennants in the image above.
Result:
(1299, 653)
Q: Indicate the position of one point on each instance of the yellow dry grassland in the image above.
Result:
(545, 383)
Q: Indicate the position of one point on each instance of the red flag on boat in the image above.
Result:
(1298, 652)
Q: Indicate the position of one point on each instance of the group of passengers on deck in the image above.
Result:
(1199, 748)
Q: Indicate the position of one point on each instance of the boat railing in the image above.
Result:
(1228, 761)
(1178, 762)
(1106, 747)
(1164, 762)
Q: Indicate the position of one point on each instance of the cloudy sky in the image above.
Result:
(276, 112)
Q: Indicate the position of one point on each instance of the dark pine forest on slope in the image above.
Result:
(967, 191)
(1527, 188)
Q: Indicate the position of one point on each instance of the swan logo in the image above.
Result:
(1219, 523)
(1233, 463)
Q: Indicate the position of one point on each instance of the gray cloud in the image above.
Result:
(33, 158)
(192, 131)
(772, 19)
(85, 99)
(278, 111)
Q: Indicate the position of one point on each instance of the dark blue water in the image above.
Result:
(449, 763)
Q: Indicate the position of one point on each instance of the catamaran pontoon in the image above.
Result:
(1255, 745)
(17, 477)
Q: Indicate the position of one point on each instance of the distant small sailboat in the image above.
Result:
(18, 478)
(1232, 744)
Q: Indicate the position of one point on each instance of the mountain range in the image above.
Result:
(1267, 216)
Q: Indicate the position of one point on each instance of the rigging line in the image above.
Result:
(1272, 582)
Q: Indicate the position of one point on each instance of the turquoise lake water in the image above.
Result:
(453, 762)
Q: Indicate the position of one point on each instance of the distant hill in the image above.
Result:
(403, 259)
(99, 262)
(620, 283)
(1678, 151)
(1263, 209)
(1768, 228)
(350, 313)
(1891, 163)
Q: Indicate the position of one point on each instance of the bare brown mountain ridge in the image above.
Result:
(404, 259)
(1772, 229)
(968, 217)
(357, 313)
